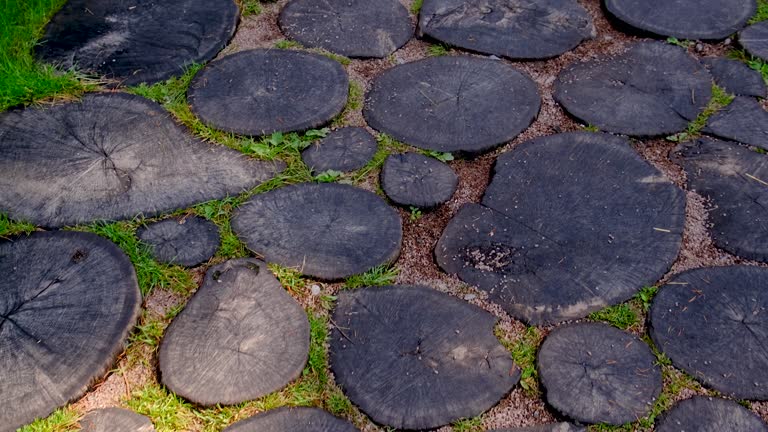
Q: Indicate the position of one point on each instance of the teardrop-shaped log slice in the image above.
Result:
(595, 373)
(115, 420)
(414, 358)
(240, 337)
(359, 28)
(735, 77)
(111, 156)
(755, 39)
(298, 419)
(346, 149)
(187, 242)
(452, 103)
(259, 92)
(137, 41)
(518, 29)
(329, 231)
(652, 89)
(686, 19)
(553, 427)
(713, 324)
(68, 301)
(703, 414)
(412, 179)
(743, 120)
(734, 180)
(570, 223)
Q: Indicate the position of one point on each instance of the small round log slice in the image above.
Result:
(517, 29)
(187, 242)
(137, 41)
(743, 120)
(553, 427)
(652, 89)
(755, 39)
(701, 19)
(346, 149)
(282, 91)
(115, 420)
(414, 358)
(452, 103)
(735, 77)
(734, 180)
(595, 373)
(68, 301)
(713, 324)
(240, 337)
(360, 28)
(111, 156)
(554, 241)
(329, 231)
(703, 414)
(412, 179)
(299, 419)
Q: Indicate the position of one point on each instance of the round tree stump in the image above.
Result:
(240, 337)
(653, 89)
(414, 358)
(329, 231)
(712, 323)
(137, 41)
(554, 427)
(554, 241)
(755, 39)
(595, 373)
(298, 419)
(735, 77)
(282, 91)
(188, 242)
(412, 179)
(452, 103)
(111, 156)
(346, 149)
(68, 301)
(702, 414)
(361, 28)
(517, 29)
(115, 420)
(743, 120)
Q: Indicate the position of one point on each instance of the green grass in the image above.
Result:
(354, 102)
(437, 50)
(523, 353)
(622, 316)
(720, 99)
(590, 128)
(168, 412)
(474, 424)
(416, 213)
(10, 228)
(249, 7)
(441, 156)
(377, 276)
(416, 6)
(387, 146)
(62, 420)
(762, 12)
(287, 44)
(290, 278)
(751, 61)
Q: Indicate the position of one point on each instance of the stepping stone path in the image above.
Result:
(452, 103)
(188, 242)
(554, 427)
(346, 149)
(299, 419)
(115, 420)
(755, 39)
(412, 179)
(595, 373)
(518, 29)
(240, 337)
(111, 156)
(652, 89)
(361, 28)
(414, 358)
(329, 231)
(137, 41)
(699, 19)
(259, 92)
(713, 324)
(68, 301)
(702, 414)
(734, 179)
(735, 77)
(565, 227)
(743, 120)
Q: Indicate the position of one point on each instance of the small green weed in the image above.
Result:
(437, 50)
(290, 279)
(441, 156)
(377, 276)
(62, 420)
(591, 128)
(416, 6)
(354, 102)
(328, 176)
(622, 316)
(249, 7)
(288, 44)
(10, 228)
(474, 424)
(645, 297)
(762, 12)
(345, 61)
(415, 213)
(682, 44)
(168, 412)
(523, 353)
(387, 146)
(720, 99)
(751, 61)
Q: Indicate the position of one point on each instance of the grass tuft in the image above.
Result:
(62, 420)
(720, 99)
(168, 412)
(474, 424)
(762, 12)
(523, 353)
(10, 228)
(622, 316)
(249, 7)
(416, 6)
(377, 276)
(437, 50)
(288, 44)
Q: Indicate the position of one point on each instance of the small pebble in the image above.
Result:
(470, 297)
(315, 290)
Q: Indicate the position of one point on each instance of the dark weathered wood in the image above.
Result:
(595, 373)
(652, 89)
(299, 419)
(346, 149)
(553, 427)
(111, 156)
(743, 120)
(282, 91)
(713, 324)
(68, 301)
(452, 103)
(703, 414)
(240, 337)
(187, 242)
(755, 39)
(137, 41)
(735, 77)
(414, 358)
(329, 231)
(412, 179)
(359, 28)
(518, 29)
(699, 19)
(570, 223)
(115, 420)
(734, 180)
